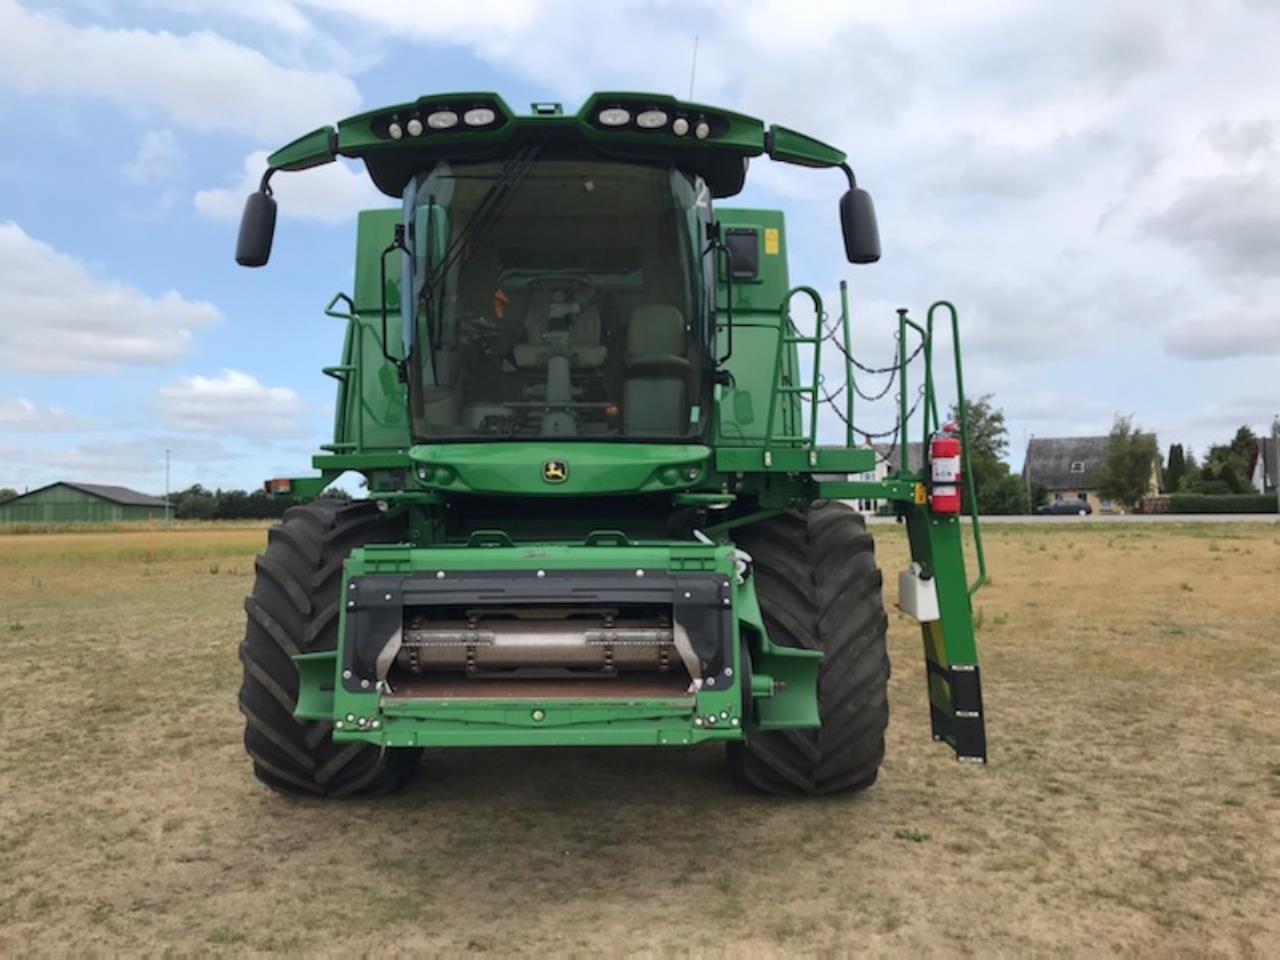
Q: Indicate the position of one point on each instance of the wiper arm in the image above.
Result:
(490, 206)
(487, 213)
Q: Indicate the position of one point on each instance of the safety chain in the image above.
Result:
(831, 398)
(830, 334)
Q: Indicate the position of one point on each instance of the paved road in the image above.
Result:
(1129, 518)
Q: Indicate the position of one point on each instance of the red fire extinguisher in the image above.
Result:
(944, 471)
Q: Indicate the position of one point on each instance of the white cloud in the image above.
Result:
(1231, 222)
(233, 403)
(1250, 332)
(135, 461)
(278, 14)
(57, 316)
(159, 157)
(199, 81)
(329, 193)
(1243, 140)
(1253, 408)
(19, 413)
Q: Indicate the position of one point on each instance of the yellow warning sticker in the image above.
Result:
(771, 241)
(919, 493)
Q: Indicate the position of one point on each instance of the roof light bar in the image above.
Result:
(479, 117)
(651, 119)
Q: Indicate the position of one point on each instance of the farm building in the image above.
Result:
(66, 502)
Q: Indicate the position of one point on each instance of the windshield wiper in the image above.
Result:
(487, 212)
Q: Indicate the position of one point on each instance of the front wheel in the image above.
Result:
(294, 609)
(819, 588)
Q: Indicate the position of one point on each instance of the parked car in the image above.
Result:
(1065, 508)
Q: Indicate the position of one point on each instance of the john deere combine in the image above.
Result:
(598, 511)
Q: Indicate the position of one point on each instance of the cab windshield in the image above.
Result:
(557, 298)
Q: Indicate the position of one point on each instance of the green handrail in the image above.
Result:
(330, 312)
(348, 376)
(849, 389)
(786, 340)
(903, 417)
(964, 435)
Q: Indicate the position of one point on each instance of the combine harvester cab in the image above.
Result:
(587, 419)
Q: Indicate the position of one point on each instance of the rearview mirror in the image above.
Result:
(858, 222)
(257, 227)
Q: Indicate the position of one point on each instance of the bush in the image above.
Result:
(1231, 503)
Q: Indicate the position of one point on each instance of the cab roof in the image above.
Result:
(398, 141)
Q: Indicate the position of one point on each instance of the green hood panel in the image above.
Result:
(536, 469)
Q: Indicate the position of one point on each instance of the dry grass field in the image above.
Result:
(1131, 806)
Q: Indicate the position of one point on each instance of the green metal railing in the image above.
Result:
(962, 411)
(348, 377)
(785, 358)
(790, 392)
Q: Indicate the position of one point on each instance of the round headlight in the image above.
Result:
(680, 127)
(442, 120)
(614, 117)
(479, 117)
(702, 130)
(395, 130)
(652, 119)
(414, 126)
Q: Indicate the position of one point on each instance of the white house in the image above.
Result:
(1262, 465)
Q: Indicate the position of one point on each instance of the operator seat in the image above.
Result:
(582, 320)
(655, 395)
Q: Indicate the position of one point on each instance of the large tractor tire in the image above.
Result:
(294, 609)
(819, 588)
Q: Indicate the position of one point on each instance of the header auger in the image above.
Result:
(599, 512)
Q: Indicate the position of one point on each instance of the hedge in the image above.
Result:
(1228, 503)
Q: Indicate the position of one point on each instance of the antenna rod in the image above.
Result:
(693, 67)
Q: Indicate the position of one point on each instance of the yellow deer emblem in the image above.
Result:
(555, 471)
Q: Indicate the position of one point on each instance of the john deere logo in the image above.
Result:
(555, 471)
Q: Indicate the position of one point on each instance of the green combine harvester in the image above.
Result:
(598, 511)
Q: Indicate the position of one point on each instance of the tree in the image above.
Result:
(996, 489)
(1190, 480)
(987, 441)
(1126, 470)
(1008, 495)
(1176, 469)
(1039, 494)
(7, 493)
(1226, 466)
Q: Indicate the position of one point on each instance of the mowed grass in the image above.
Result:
(1131, 806)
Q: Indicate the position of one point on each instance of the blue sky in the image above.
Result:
(1095, 187)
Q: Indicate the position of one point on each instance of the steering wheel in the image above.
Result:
(565, 282)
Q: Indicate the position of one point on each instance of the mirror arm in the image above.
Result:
(717, 246)
(264, 185)
(848, 172)
(397, 243)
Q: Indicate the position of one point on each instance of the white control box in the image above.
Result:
(917, 595)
